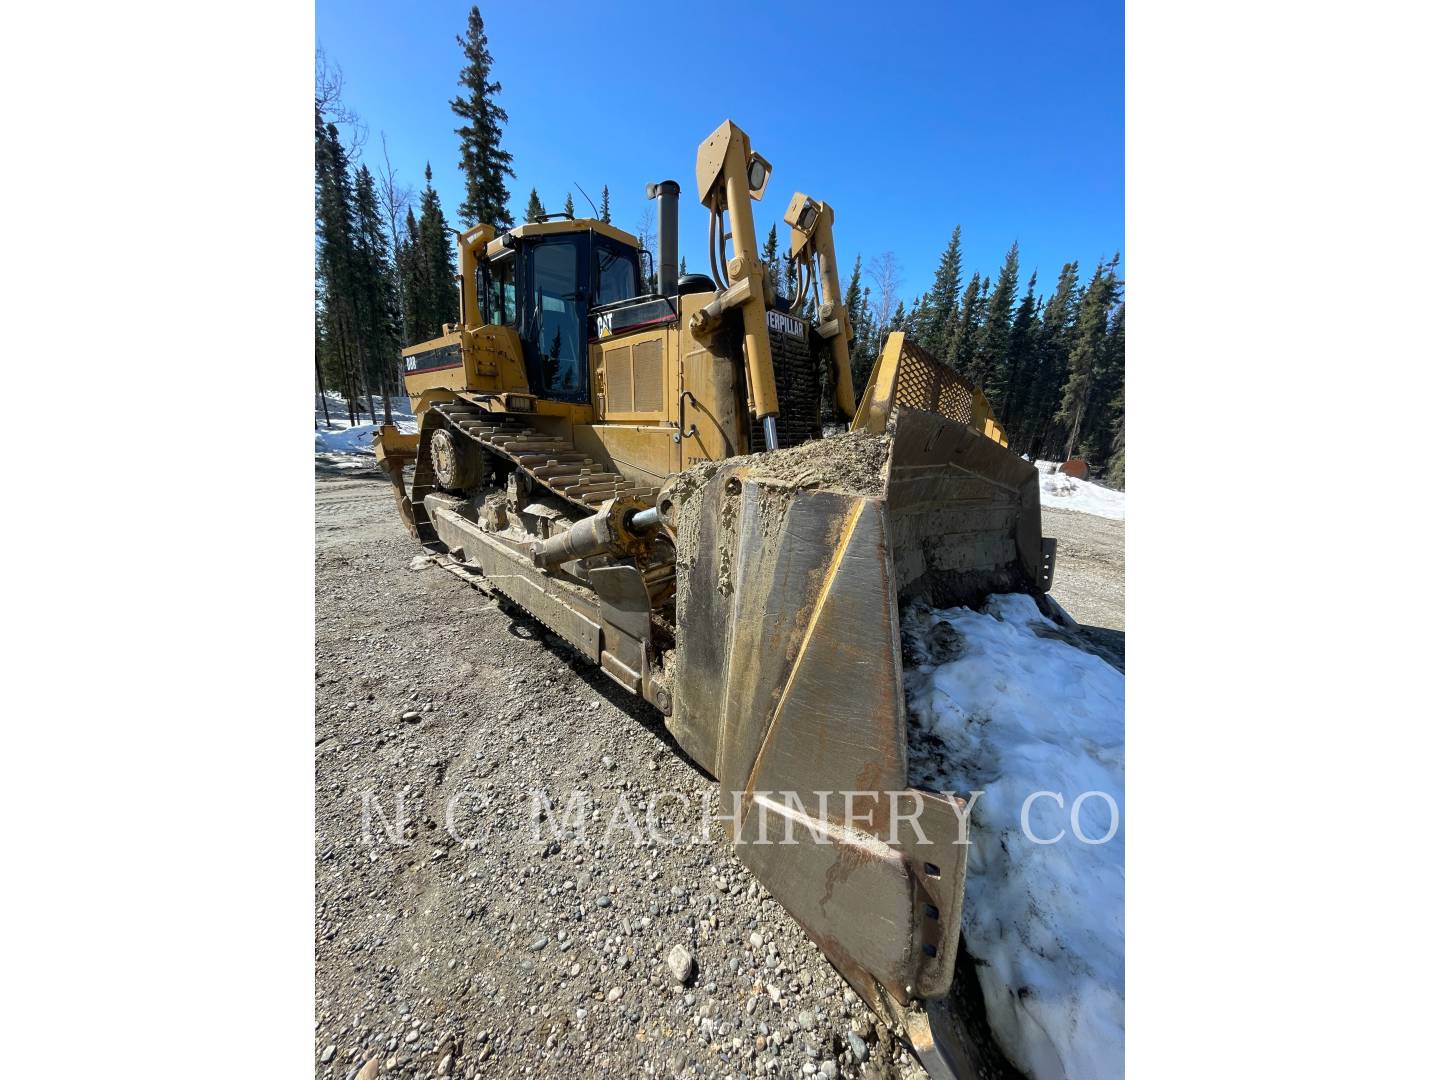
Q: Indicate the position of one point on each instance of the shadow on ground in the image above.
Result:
(1110, 643)
(523, 624)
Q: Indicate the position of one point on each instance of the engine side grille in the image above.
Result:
(649, 385)
(619, 385)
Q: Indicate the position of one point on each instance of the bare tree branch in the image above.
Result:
(359, 134)
(645, 228)
(645, 233)
(329, 90)
(884, 271)
(330, 104)
(396, 197)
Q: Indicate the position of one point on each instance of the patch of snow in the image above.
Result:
(349, 446)
(1066, 493)
(999, 702)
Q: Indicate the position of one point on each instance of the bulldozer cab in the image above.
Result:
(544, 284)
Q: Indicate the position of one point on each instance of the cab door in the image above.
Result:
(554, 325)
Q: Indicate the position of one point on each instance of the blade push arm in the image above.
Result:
(728, 174)
(812, 244)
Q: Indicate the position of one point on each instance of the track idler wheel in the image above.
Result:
(458, 466)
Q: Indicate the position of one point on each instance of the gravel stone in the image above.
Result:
(858, 1047)
(681, 963)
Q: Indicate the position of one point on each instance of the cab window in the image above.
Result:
(556, 319)
(502, 309)
(614, 273)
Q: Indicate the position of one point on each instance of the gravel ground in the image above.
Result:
(1090, 575)
(480, 950)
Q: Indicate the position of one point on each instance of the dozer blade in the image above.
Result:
(793, 567)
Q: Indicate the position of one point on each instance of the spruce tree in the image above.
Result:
(440, 303)
(856, 305)
(482, 160)
(363, 286)
(963, 332)
(335, 263)
(605, 204)
(1086, 355)
(937, 321)
(770, 255)
(569, 206)
(375, 289)
(919, 316)
(534, 209)
(992, 362)
(1100, 429)
(412, 276)
(852, 290)
(1042, 396)
(1115, 465)
(1024, 354)
(866, 342)
(683, 271)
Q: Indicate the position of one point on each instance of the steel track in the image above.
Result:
(547, 461)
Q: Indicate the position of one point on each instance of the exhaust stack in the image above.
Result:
(667, 236)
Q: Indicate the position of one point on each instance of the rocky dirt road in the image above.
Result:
(1090, 575)
(450, 939)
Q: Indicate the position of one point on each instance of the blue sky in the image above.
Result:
(1004, 117)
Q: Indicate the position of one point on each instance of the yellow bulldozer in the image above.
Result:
(641, 467)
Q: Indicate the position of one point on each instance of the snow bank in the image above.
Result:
(1066, 493)
(349, 446)
(1000, 703)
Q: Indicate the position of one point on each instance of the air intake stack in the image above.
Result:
(667, 235)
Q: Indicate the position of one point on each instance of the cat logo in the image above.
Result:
(786, 324)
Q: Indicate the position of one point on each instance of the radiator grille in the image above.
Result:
(797, 385)
(619, 386)
(649, 382)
